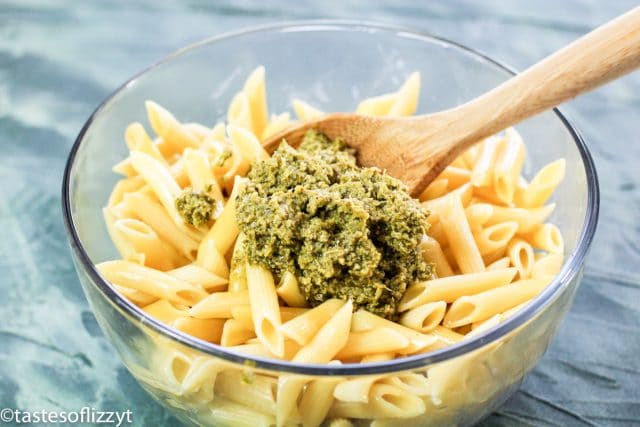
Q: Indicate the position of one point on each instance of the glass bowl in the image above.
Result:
(331, 65)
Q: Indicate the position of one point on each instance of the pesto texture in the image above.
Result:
(195, 208)
(344, 231)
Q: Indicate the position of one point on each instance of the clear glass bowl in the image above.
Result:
(332, 65)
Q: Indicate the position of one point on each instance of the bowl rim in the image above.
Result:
(569, 270)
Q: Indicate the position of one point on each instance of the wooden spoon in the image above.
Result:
(416, 149)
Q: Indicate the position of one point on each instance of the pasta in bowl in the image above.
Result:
(223, 338)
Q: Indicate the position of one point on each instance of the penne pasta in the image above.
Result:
(451, 288)
(527, 219)
(234, 333)
(302, 328)
(424, 318)
(198, 276)
(547, 266)
(522, 258)
(380, 340)
(495, 237)
(317, 400)
(509, 161)
(482, 173)
(264, 308)
(547, 237)
(463, 247)
(218, 305)
(432, 253)
(289, 292)
(473, 308)
(538, 191)
(150, 281)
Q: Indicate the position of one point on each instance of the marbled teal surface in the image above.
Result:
(59, 59)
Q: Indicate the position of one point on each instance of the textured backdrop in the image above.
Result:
(58, 60)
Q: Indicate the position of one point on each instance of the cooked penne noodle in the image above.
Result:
(145, 208)
(451, 288)
(356, 389)
(317, 400)
(432, 253)
(150, 281)
(379, 357)
(521, 254)
(463, 247)
(258, 394)
(224, 231)
(219, 305)
(136, 138)
(509, 161)
(237, 268)
(495, 237)
(302, 328)
(228, 413)
(264, 308)
(242, 313)
(538, 191)
(439, 207)
(378, 340)
(234, 333)
(437, 188)
(198, 276)
(436, 231)
(123, 187)
(499, 264)
(239, 112)
(123, 245)
(478, 214)
(527, 219)
(455, 175)
(424, 318)
(482, 173)
(365, 321)
(328, 341)
(473, 308)
(137, 297)
(289, 291)
(256, 92)
(205, 329)
(414, 383)
(249, 146)
(447, 335)
(305, 111)
(143, 240)
(277, 124)
(385, 401)
(547, 266)
(484, 325)
(196, 163)
(376, 105)
(166, 126)
(548, 238)
(159, 178)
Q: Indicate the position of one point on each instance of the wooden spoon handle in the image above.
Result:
(602, 55)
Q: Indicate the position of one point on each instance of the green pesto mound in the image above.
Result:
(195, 208)
(344, 231)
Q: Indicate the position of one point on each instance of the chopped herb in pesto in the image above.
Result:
(344, 231)
(223, 158)
(195, 208)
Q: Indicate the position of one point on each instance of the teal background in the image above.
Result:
(60, 59)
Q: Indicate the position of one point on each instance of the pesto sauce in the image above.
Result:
(195, 208)
(344, 231)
